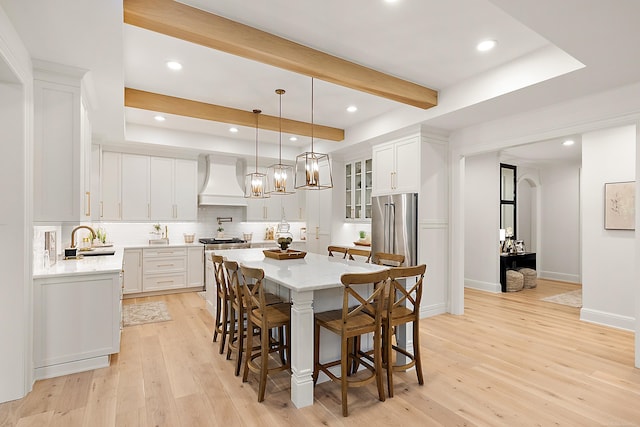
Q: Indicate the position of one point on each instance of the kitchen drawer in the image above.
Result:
(152, 266)
(166, 281)
(164, 252)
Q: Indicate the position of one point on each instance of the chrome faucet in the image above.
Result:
(73, 234)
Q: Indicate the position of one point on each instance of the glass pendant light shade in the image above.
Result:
(255, 183)
(280, 176)
(313, 170)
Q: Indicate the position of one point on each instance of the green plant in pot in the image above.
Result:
(362, 234)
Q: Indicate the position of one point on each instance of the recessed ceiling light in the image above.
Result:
(352, 108)
(174, 65)
(486, 45)
(159, 118)
(568, 142)
(233, 130)
(390, 1)
(293, 139)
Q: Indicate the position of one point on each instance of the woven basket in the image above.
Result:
(530, 276)
(515, 281)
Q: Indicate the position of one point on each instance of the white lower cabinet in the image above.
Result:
(172, 268)
(76, 323)
(132, 269)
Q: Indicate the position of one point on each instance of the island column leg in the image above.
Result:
(302, 348)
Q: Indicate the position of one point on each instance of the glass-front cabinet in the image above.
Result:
(358, 184)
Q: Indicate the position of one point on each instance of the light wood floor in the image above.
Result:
(511, 360)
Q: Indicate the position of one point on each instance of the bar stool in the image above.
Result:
(266, 318)
(403, 306)
(356, 254)
(221, 326)
(390, 260)
(337, 250)
(350, 322)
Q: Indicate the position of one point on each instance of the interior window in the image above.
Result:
(508, 197)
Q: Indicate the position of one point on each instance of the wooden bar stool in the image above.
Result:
(356, 254)
(403, 306)
(337, 250)
(390, 260)
(367, 289)
(237, 330)
(223, 300)
(267, 318)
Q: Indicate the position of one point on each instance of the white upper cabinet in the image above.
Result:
(135, 192)
(136, 187)
(174, 185)
(396, 167)
(162, 206)
(185, 189)
(110, 185)
(62, 174)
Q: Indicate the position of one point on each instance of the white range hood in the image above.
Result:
(222, 186)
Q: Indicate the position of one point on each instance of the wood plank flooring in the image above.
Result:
(511, 360)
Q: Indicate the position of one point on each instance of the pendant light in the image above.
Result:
(313, 170)
(279, 176)
(255, 183)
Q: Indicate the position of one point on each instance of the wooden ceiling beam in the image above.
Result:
(197, 26)
(135, 98)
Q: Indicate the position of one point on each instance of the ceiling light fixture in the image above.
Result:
(255, 183)
(277, 174)
(174, 65)
(568, 142)
(233, 130)
(313, 170)
(486, 45)
(352, 108)
(159, 118)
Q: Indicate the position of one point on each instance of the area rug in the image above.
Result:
(146, 312)
(572, 298)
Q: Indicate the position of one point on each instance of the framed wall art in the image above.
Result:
(620, 205)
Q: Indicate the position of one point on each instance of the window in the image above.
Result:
(508, 197)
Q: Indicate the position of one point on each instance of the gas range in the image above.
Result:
(211, 243)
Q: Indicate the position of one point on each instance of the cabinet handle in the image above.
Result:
(165, 265)
(119, 210)
(317, 233)
(299, 213)
(87, 199)
(148, 210)
(101, 209)
(264, 212)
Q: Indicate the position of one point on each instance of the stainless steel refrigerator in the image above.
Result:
(394, 225)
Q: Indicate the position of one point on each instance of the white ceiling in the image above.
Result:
(547, 52)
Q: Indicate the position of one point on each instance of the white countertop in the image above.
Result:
(86, 265)
(313, 272)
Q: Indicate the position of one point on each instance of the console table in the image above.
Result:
(513, 262)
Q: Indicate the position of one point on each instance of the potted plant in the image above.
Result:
(363, 234)
(220, 232)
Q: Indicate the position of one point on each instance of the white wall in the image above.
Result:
(608, 268)
(482, 222)
(560, 223)
(16, 107)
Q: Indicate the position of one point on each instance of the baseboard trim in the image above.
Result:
(483, 286)
(432, 310)
(71, 367)
(562, 277)
(608, 319)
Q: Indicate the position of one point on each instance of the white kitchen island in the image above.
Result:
(77, 314)
(312, 283)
